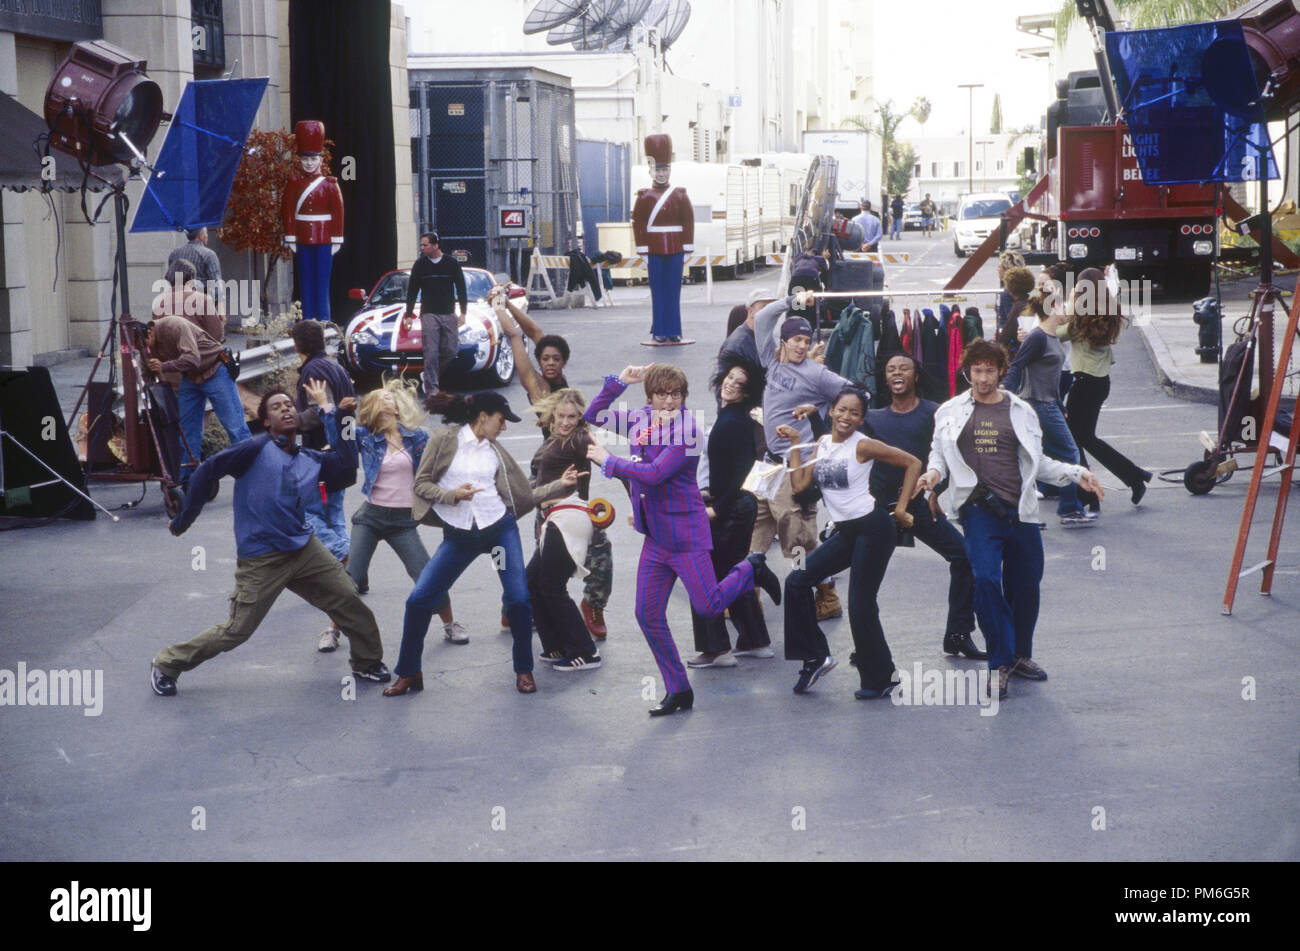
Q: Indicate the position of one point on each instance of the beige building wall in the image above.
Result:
(408, 243)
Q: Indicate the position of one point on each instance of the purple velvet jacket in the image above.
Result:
(666, 502)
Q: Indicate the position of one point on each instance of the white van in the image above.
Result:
(979, 215)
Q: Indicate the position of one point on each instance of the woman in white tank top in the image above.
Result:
(863, 542)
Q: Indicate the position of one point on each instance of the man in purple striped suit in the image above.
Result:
(668, 510)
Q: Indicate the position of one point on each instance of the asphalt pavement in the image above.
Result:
(1165, 732)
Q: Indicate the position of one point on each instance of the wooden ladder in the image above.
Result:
(1261, 469)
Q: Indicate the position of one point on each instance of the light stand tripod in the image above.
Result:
(5, 434)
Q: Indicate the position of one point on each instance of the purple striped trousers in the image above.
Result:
(656, 574)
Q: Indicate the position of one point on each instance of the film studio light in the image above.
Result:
(100, 106)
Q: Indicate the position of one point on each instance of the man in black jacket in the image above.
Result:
(439, 282)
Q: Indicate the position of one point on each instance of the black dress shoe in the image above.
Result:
(1140, 487)
(962, 644)
(764, 577)
(674, 702)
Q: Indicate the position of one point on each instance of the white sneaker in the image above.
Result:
(764, 652)
(329, 640)
(725, 659)
(455, 633)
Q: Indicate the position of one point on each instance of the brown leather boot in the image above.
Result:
(404, 685)
(524, 683)
(828, 602)
(594, 618)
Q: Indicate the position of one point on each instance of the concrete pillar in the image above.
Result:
(407, 241)
(15, 312)
(158, 30)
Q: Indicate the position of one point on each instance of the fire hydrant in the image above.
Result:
(1208, 337)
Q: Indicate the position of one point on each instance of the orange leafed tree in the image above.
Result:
(252, 221)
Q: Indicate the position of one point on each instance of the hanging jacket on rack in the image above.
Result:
(934, 357)
(956, 345)
(973, 326)
(887, 345)
(851, 349)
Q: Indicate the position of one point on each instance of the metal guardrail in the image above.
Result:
(255, 362)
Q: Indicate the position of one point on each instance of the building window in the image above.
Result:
(916, 170)
(934, 169)
(979, 166)
(1000, 164)
(208, 34)
(958, 169)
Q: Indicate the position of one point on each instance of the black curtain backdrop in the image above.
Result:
(339, 74)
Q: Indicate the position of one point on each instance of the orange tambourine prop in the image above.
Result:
(601, 512)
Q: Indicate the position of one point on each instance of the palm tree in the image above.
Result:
(920, 111)
(886, 126)
(1145, 14)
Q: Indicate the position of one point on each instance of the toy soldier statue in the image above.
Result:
(663, 223)
(312, 209)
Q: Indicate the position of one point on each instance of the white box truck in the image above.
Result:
(858, 154)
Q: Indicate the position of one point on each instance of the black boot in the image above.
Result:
(674, 702)
(764, 577)
(1140, 487)
(962, 644)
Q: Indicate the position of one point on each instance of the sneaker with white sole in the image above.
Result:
(812, 671)
(374, 671)
(724, 659)
(551, 657)
(578, 663)
(1079, 519)
(329, 640)
(453, 632)
(763, 652)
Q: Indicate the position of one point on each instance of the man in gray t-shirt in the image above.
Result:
(792, 380)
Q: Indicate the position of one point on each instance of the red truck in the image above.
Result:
(1102, 211)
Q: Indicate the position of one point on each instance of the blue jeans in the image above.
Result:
(328, 523)
(458, 550)
(1007, 560)
(191, 398)
(1059, 444)
(896, 229)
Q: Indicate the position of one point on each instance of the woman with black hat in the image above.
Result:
(476, 491)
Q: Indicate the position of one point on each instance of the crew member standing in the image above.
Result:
(439, 282)
(663, 224)
(312, 209)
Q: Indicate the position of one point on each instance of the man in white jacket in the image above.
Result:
(989, 446)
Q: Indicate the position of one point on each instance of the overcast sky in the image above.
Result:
(927, 47)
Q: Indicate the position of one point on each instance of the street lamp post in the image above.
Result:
(984, 159)
(970, 134)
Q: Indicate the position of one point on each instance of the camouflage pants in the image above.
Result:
(600, 562)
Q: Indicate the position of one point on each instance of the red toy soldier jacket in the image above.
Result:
(312, 210)
(663, 221)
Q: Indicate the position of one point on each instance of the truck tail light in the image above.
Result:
(1073, 233)
(1186, 229)
(1094, 232)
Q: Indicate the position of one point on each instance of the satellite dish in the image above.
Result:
(551, 13)
(628, 14)
(674, 22)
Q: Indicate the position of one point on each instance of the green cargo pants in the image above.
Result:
(314, 575)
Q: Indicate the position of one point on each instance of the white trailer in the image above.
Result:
(858, 155)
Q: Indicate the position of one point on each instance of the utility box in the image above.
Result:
(488, 139)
